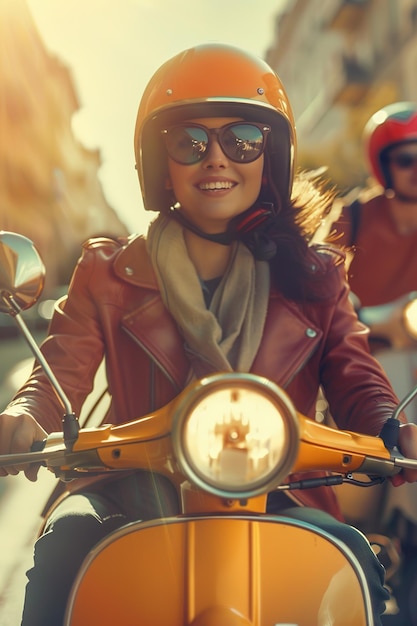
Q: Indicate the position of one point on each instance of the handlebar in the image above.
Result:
(146, 443)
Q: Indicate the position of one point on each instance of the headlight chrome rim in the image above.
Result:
(270, 393)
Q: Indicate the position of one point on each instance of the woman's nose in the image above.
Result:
(215, 155)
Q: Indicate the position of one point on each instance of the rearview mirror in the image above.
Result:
(22, 273)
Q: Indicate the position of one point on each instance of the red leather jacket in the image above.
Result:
(114, 308)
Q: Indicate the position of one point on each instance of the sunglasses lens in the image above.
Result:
(404, 161)
(242, 143)
(186, 144)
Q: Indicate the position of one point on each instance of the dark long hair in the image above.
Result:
(299, 270)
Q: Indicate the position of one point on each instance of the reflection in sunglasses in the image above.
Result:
(241, 142)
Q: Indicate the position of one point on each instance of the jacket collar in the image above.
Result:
(133, 265)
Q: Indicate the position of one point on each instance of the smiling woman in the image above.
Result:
(76, 30)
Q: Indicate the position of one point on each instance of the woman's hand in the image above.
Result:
(17, 434)
(407, 444)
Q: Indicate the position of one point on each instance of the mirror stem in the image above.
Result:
(405, 402)
(70, 423)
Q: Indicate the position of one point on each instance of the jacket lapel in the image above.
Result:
(289, 339)
(151, 325)
(153, 328)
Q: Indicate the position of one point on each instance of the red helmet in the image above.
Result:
(390, 126)
(212, 80)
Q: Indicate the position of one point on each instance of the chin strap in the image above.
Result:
(225, 238)
(251, 227)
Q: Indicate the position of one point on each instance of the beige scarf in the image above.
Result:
(226, 336)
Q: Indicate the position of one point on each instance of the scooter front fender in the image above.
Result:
(229, 570)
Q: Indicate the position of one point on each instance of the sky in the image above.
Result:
(113, 47)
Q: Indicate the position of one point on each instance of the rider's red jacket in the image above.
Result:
(114, 308)
(384, 264)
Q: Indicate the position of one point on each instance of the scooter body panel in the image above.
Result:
(233, 571)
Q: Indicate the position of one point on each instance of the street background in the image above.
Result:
(21, 502)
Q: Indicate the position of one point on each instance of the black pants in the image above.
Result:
(82, 520)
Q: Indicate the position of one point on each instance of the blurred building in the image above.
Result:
(49, 185)
(340, 61)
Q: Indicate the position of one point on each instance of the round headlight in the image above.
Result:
(235, 435)
(410, 318)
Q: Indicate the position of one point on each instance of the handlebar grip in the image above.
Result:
(38, 446)
(389, 433)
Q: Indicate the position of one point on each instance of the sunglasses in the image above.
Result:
(404, 160)
(241, 142)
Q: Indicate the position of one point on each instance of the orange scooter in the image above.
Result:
(224, 442)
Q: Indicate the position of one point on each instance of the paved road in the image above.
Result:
(21, 501)
(20, 508)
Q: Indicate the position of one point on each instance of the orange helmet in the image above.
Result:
(212, 80)
(392, 125)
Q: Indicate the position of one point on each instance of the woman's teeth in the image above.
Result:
(216, 185)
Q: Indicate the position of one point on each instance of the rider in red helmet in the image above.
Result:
(393, 126)
(383, 229)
